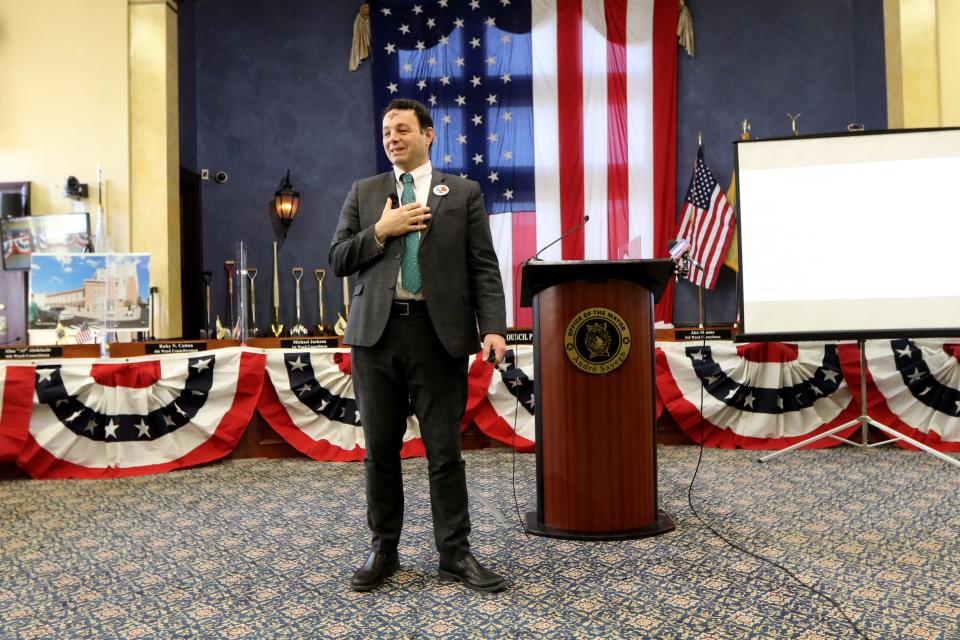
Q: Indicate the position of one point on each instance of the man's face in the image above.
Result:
(406, 146)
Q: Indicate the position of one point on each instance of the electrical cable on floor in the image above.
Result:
(513, 460)
(693, 509)
(516, 411)
(742, 549)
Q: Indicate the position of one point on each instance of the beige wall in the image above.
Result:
(948, 27)
(88, 82)
(63, 107)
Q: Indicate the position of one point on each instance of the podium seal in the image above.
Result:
(597, 340)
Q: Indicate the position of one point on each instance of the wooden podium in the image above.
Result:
(595, 398)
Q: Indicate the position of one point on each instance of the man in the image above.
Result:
(427, 287)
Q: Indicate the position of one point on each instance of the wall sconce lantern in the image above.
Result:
(286, 202)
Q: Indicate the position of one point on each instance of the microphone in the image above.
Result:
(579, 225)
(680, 250)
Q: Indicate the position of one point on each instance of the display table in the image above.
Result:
(95, 418)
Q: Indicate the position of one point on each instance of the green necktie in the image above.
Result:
(410, 273)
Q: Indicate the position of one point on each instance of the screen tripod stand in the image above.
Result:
(864, 420)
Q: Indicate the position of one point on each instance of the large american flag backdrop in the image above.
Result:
(558, 108)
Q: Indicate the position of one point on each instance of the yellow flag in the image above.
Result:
(733, 253)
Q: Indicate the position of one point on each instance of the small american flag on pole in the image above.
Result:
(707, 223)
(83, 334)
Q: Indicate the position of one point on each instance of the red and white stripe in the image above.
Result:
(16, 403)
(604, 105)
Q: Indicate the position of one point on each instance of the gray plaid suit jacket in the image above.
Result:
(461, 276)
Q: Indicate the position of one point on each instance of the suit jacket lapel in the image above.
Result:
(389, 186)
(434, 202)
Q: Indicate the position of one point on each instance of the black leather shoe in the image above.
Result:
(472, 574)
(375, 571)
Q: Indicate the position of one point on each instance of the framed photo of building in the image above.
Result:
(102, 291)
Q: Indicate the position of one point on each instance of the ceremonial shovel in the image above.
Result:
(298, 329)
(208, 326)
(276, 328)
(252, 330)
(230, 266)
(323, 329)
(341, 326)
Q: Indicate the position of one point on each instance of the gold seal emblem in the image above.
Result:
(597, 340)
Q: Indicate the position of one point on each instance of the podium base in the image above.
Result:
(663, 524)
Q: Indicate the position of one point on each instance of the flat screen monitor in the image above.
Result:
(54, 233)
(849, 236)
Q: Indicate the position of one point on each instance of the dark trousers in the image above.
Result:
(409, 366)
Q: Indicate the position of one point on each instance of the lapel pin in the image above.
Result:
(441, 190)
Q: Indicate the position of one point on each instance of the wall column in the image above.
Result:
(155, 153)
(922, 52)
(948, 27)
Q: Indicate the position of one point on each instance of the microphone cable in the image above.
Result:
(516, 412)
(741, 548)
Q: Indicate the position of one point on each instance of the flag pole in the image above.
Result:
(699, 287)
(744, 135)
(700, 304)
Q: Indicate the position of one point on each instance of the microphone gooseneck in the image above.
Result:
(579, 225)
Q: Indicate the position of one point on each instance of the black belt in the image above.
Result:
(407, 307)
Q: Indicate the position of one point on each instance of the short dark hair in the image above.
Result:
(408, 104)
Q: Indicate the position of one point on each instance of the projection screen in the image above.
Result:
(849, 235)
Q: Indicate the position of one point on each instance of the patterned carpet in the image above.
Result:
(265, 548)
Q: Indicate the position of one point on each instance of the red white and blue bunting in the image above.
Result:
(501, 400)
(93, 419)
(102, 418)
(913, 387)
(309, 401)
(755, 396)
